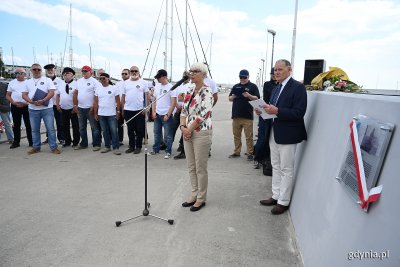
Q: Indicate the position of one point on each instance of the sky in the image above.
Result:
(362, 37)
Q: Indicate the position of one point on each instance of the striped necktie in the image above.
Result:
(274, 97)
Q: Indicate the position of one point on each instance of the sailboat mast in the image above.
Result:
(166, 35)
(71, 60)
(171, 37)
(186, 30)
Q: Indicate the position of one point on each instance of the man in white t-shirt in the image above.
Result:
(51, 73)
(65, 104)
(83, 105)
(38, 92)
(107, 106)
(135, 95)
(163, 107)
(120, 85)
(19, 107)
(180, 94)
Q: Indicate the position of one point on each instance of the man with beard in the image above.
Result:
(135, 93)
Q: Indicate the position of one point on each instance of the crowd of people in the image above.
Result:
(72, 103)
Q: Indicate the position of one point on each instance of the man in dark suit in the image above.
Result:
(288, 102)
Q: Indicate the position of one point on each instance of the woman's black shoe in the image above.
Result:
(188, 204)
(193, 208)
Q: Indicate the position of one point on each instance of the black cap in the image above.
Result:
(49, 66)
(161, 73)
(68, 69)
(105, 75)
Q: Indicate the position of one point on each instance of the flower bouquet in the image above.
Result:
(333, 80)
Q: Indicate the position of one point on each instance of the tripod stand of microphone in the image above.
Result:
(146, 212)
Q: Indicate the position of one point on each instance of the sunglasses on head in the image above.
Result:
(19, 72)
(134, 71)
(37, 69)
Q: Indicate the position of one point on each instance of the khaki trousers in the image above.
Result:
(196, 151)
(247, 125)
(282, 161)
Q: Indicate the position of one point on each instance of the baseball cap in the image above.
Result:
(49, 66)
(244, 73)
(68, 69)
(87, 68)
(161, 73)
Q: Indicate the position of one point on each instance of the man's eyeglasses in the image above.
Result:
(102, 79)
(84, 71)
(124, 73)
(134, 71)
(37, 69)
(243, 77)
(19, 72)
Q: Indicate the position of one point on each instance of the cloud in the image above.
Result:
(355, 35)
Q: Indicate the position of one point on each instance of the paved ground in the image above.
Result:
(60, 210)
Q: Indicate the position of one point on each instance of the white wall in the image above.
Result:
(328, 224)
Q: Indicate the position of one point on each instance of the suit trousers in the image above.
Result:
(282, 160)
(196, 150)
(247, 125)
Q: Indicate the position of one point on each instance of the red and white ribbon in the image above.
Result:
(365, 196)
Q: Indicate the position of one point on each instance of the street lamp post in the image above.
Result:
(262, 73)
(273, 42)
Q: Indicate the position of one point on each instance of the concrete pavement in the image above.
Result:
(60, 210)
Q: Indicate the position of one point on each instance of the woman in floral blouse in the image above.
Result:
(196, 128)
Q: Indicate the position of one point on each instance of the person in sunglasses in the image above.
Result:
(38, 92)
(125, 75)
(19, 107)
(135, 95)
(65, 104)
(242, 113)
(106, 104)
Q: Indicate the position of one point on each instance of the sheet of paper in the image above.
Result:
(258, 104)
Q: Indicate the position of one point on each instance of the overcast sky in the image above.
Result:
(361, 37)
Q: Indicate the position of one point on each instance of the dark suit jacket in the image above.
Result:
(289, 125)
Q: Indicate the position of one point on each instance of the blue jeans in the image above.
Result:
(109, 125)
(84, 116)
(5, 116)
(35, 117)
(169, 130)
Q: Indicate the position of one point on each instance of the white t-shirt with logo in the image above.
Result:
(134, 94)
(163, 97)
(66, 99)
(107, 104)
(86, 89)
(120, 85)
(44, 84)
(211, 84)
(182, 89)
(57, 82)
(16, 88)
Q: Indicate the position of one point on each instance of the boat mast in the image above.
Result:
(171, 39)
(166, 35)
(71, 60)
(186, 30)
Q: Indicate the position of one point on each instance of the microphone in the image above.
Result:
(178, 83)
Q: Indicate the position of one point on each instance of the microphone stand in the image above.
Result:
(146, 212)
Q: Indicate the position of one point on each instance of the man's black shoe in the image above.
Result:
(14, 146)
(129, 150)
(269, 202)
(234, 156)
(180, 156)
(137, 151)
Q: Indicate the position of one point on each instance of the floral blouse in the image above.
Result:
(198, 108)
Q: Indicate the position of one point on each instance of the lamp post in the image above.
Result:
(273, 41)
(262, 73)
(294, 36)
